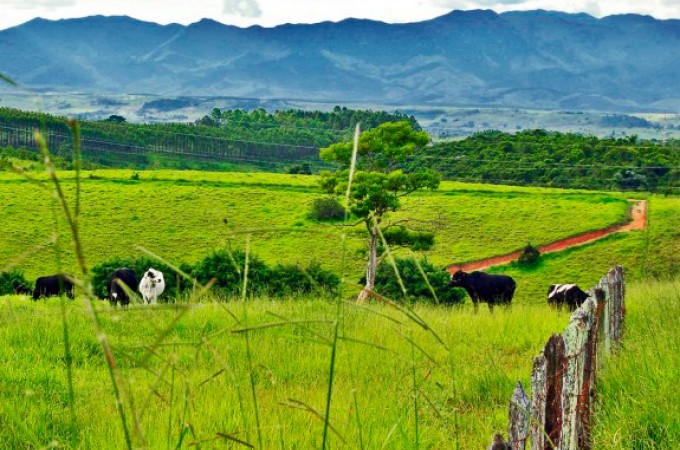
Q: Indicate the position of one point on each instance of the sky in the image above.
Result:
(274, 12)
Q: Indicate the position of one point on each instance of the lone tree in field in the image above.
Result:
(378, 186)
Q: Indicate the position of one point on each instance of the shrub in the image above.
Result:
(403, 237)
(227, 267)
(10, 280)
(327, 209)
(386, 282)
(286, 279)
(529, 256)
(301, 169)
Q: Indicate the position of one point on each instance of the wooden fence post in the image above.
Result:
(579, 343)
(546, 383)
(518, 431)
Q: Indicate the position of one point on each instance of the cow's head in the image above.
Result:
(458, 279)
(155, 276)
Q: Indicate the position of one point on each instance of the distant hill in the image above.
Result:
(535, 59)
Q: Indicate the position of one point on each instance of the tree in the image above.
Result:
(378, 185)
(115, 118)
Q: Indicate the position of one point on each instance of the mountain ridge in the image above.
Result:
(540, 59)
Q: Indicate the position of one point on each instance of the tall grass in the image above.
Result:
(378, 377)
(640, 384)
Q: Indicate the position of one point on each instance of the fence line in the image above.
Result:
(563, 379)
(175, 145)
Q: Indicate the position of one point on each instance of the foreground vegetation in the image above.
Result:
(394, 384)
(258, 372)
(639, 386)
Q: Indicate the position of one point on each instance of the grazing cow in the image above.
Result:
(118, 293)
(566, 294)
(152, 285)
(22, 289)
(53, 285)
(483, 287)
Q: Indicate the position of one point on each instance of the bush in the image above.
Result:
(227, 267)
(386, 282)
(403, 237)
(10, 280)
(287, 279)
(327, 209)
(301, 169)
(529, 256)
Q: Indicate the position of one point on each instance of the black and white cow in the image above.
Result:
(566, 294)
(118, 293)
(152, 285)
(483, 287)
(53, 285)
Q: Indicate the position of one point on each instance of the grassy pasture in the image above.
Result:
(640, 385)
(395, 385)
(183, 215)
(200, 375)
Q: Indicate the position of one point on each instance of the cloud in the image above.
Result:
(242, 8)
(475, 3)
(37, 4)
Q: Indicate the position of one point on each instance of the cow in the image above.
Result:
(22, 289)
(483, 287)
(566, 294)
(119, 293)
(151, 286)
(53, 285)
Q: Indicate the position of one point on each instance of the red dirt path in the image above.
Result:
(638, 212)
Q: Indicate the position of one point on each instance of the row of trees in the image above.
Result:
(545, 158)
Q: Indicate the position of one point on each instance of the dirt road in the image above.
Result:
(638, 221)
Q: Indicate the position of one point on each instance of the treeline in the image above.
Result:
(274, 140)
(546, 158)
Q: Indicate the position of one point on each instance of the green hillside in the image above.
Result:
(184, 215)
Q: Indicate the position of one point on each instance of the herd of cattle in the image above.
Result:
(121, 285)
(499, 290)
(480, 286)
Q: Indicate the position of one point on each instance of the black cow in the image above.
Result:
(483, 287)
(21, 289)
(566, 294)
(53, 285)
(116, 292)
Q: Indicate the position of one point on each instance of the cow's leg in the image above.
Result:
(475, 303)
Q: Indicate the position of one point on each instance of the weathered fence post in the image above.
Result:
(580, 344)
(546, 388)
(518, 431)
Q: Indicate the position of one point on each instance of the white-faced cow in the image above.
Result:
(483, 287)
(566, 294)
(152, 285)
(121, 282)
(53, 285)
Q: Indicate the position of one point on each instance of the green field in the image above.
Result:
(181, 217)
(207, 373)
(190, 374)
